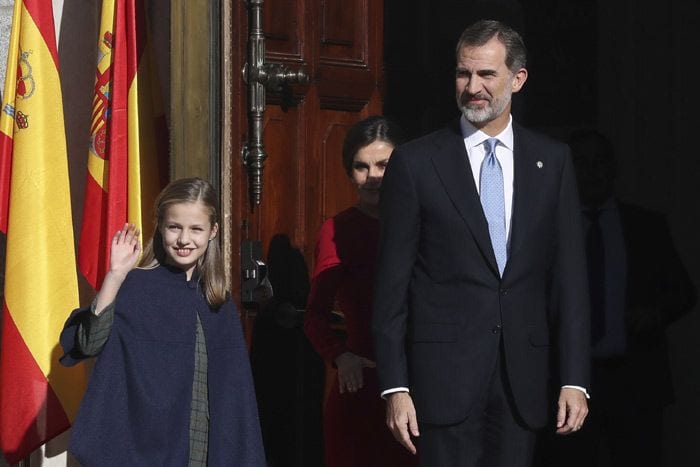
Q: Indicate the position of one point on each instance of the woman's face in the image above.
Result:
(368, 169)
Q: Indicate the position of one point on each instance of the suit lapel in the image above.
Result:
(452, 165)
(527, 167)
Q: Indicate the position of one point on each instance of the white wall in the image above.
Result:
(5, 26)
(6, 7)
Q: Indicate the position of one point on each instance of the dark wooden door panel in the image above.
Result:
(284, 25)
(332, 177)
(349, 59)
(339, 42)
(283, 177)
(330, 190)
(342, 23)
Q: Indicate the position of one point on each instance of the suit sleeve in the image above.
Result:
(398, 249)
(570, 285)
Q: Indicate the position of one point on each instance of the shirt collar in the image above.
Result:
(474, 137)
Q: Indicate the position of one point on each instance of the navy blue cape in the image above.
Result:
(136, 410)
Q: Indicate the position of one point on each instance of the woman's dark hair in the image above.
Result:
(366, 132)
(209, 266)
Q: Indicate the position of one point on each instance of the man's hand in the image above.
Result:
(350, 368)
(572, 412)
(401, 419)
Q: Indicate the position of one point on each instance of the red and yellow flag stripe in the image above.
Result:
(128, 152)
(38, 396)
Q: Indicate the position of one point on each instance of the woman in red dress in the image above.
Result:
(354, 429)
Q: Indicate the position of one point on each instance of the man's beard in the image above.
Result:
(493, 109)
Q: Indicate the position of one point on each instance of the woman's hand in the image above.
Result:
(350, 371)
(125, 250)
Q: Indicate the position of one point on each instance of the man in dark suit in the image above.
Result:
(638, 286)
(481, 274)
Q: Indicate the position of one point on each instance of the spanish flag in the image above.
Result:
(38, 396)
(127, 158)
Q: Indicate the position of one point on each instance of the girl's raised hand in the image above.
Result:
(125, 250)
(123, 256)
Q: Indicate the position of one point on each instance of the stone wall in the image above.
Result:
(5, 25)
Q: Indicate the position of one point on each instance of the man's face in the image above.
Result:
(484, 84)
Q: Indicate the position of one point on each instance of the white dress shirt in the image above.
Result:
(474, 142)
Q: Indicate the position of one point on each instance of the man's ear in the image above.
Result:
(519, 79)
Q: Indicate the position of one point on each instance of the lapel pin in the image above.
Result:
(540, 164)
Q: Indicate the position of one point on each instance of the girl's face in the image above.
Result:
(186, 233)
(368, 169)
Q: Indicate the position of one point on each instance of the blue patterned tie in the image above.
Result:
(491, 193)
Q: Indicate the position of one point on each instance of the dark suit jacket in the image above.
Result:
(440, 307)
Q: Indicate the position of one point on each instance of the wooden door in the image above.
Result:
(339, 42)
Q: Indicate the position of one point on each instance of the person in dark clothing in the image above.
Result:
(172, 383)
(638, 286)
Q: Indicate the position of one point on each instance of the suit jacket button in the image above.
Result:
(504, 291)
(496, 329)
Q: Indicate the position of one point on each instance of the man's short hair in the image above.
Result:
(479, 33)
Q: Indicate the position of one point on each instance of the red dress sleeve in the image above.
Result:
(325, 281)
